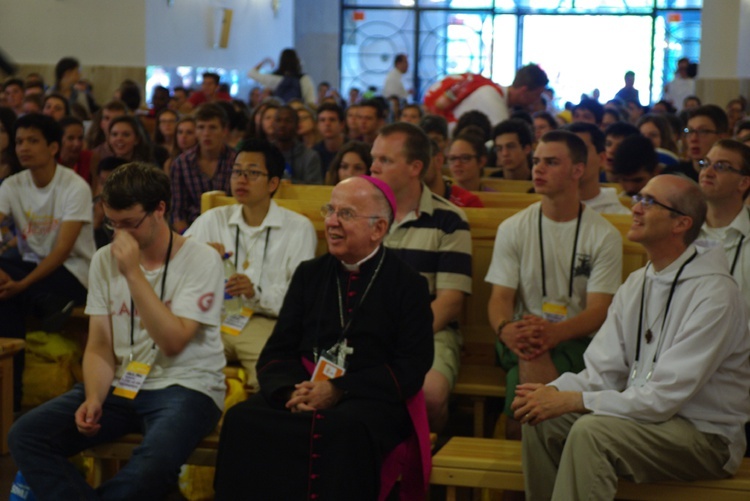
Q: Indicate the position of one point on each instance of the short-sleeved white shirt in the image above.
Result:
(516, 259)
(38, 214)
(291, 240)
(193, 290)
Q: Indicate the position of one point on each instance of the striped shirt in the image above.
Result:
(189, 183)
(436, 243)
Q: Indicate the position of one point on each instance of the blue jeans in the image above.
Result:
(173, 422)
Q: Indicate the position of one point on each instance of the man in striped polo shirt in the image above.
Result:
(432, 235)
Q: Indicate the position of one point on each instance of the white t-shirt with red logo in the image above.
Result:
(194, 288)
(38, 214)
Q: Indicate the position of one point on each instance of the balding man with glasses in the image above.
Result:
(666, 387)
(265, 243)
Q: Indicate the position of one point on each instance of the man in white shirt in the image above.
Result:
(264, 241)
(153, 361)
(393, 85)
(555, 267)
(665, 391)
(51, 208)
(725, 182)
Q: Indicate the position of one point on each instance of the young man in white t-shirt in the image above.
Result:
(555, 267)
(265, 243)
(153, 362)
(51, 208)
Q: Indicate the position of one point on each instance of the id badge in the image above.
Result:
(554, 311)
(130, 383)
(233, 324)
(327, 369)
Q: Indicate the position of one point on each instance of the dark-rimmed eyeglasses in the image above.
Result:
(647, 201)
(720, 166)
(249, 174)
(113, 225)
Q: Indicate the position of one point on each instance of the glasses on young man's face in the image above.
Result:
(647, 201)
(114, 225)
(343, 214)
(249, 174)
(466, 158)
(699, 132)
(720, 166)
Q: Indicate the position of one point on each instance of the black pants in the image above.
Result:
(39, 300)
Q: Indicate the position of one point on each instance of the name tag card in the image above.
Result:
(327, 369)
(130, 383)
(234, 324)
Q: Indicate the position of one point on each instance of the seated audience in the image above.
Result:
(635, 163)
(411, 113)
(307, 417)
(128, 141)
(154, 308)
(13, 89)
(613, 136)
(331, 128)
(307, 130)
(353, 159)
(513, 142)
(706, 125)
(657, 129)
(166, 127)
(72, 154)
(602, 199)
(50, 207)
(629, 413)
(467, 156)
(432, 236)
(207, 166)
(55, 106)
(555, 267)
(302, 164)
(264, 241)
(725, 184)
(445, 187)
(543, 123)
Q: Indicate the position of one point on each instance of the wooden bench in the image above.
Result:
(108, 457)
(496, 464)
(8, 348)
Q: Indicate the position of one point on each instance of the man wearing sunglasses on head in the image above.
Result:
(725, 182)
(665, 391)
(265, 243)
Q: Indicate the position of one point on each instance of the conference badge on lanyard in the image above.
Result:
(332, 363)
(234, 324)
(130, 383)
(554, 311)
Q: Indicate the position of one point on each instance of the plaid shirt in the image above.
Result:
(189, 183)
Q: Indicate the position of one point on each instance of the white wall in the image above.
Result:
(182, 35)
(97, 32)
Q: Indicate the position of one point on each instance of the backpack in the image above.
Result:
(289, 88)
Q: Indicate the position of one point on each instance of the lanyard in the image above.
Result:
(736, 255)
(573, 259)
(666, 310)
(161, 294)
(237, 253)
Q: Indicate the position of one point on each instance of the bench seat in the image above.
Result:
(496, 464)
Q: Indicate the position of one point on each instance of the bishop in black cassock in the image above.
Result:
(381, 307)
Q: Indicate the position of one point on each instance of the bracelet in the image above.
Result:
(502, 326)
